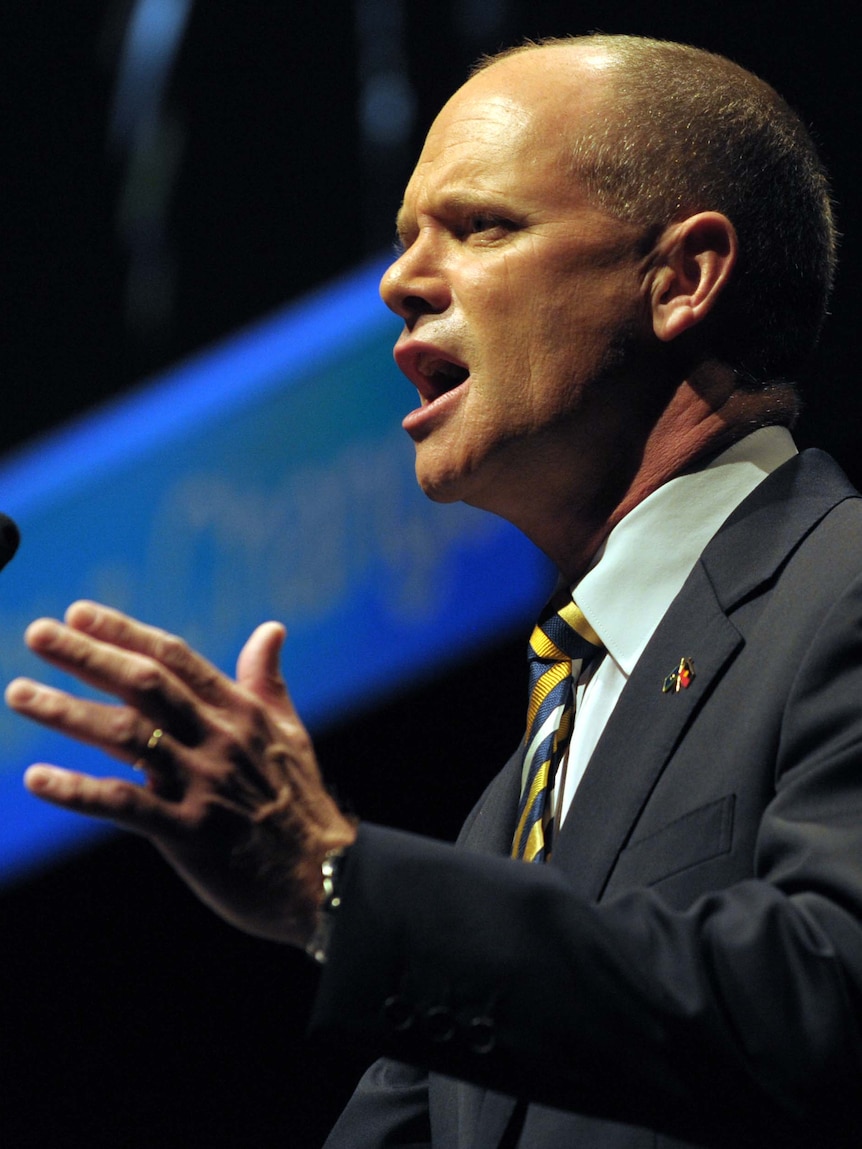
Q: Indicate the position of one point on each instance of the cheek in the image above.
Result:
(567, 350)
(586, 317)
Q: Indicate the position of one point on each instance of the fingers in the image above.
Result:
(109, 626)
(120, 731)
(132, 807)
(258, 668)
(140, 681)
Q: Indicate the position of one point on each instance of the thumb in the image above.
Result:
(258, 667)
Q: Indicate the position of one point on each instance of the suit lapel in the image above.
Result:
(639, 739)
(646, 724)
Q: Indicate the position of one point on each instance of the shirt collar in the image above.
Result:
(650, 553)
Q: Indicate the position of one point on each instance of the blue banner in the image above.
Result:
(268, 478)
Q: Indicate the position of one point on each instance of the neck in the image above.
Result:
(570, 518)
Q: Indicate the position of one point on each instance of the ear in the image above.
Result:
(694, 262)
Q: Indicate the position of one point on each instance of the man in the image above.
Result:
(615, 255)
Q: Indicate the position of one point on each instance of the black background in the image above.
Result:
(129, 1016)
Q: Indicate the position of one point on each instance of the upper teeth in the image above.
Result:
(447, 368)
(431, 367)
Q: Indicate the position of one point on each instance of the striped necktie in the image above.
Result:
(561, 645)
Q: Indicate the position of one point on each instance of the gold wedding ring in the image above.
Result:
(152, 744)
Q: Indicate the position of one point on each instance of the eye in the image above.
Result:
(487, 227)
(482, 222)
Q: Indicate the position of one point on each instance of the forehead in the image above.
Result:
(508, 129)
(476, 130)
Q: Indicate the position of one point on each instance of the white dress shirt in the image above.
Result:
(640, 570)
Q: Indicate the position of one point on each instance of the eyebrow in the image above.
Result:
(452, 203)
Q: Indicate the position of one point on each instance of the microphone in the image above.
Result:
(10, 537)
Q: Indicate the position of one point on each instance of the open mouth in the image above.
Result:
(437, 376)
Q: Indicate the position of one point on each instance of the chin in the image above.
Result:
(438, 490)
(474, 478)
(439, 480)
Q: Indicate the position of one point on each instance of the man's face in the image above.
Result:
(518, 296)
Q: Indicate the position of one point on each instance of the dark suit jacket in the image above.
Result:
(688, 968)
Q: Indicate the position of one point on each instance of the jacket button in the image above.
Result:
(438, 1024)
(480, 1034)
(398, 1013)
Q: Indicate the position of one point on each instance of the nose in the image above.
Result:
(413, 286)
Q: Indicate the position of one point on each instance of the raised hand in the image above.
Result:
(233, 796)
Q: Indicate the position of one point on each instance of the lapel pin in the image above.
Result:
(679, 679)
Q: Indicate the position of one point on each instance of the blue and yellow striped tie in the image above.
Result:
(561, 645)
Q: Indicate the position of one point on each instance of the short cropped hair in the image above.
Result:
(683, 130)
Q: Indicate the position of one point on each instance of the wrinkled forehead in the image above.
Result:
(534, 101)
(476, 127)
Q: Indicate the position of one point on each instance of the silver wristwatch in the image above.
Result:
(330, 873)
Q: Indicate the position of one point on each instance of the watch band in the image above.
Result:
(330, 873)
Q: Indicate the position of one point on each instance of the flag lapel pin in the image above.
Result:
(680, 678)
